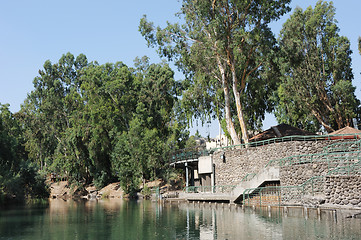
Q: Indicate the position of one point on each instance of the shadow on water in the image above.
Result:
(120, 219)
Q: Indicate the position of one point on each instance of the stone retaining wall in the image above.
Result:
(315, 190)
(294, 175)
(343, 190)
(240, 162)
(339, 190)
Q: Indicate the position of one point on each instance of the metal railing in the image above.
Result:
(333, 159)
(194, 153)
(348, 170)
(343, 146)
(295, 138)
(282, 195)
(332, 156)
(188, 154)
(248, 177)
(209, 189)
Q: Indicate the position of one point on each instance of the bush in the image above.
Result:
(146, 192)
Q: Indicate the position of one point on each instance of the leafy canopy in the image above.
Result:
(95, 123)
(316, 88)
(224, 49)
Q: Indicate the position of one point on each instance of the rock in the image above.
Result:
(328, 191)
(112, 190)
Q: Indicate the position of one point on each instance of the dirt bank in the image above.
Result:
(63, 190)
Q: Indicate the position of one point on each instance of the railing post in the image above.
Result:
(244, 198)
(248, 198)
(279, 196)
(157, 196)
(186, 165)
(303, 189)
(260, 197)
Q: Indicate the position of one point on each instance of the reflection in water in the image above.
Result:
(118, 219)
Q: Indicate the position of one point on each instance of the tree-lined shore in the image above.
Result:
(94, 123)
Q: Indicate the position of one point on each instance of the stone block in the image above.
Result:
(328, 191)
(355, 201)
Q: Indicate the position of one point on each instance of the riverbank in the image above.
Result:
(63, 190)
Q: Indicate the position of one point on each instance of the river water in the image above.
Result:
(120, 219)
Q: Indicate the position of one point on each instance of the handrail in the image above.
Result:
(209, 189)
(342, 146)
(310, 158)
(330, 158)
(294, 138)
(194, 153)
(189, 153)
(248, 177)
(314, 183)
(354, 168)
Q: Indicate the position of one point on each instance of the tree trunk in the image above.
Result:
(230, 125)
(241, 117)
(227, 108)
(237, 98)
(328, 128)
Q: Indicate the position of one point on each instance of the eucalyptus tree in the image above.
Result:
(18, 177)
(109, 97)
(94, 123)
(9, 159)
(316, 65)
(47, 110)
(225, 49)
(140, 151)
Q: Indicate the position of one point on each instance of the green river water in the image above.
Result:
(120, 219)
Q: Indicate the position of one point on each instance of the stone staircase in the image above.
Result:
(269, 174)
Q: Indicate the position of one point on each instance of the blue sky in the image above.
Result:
(107, 31)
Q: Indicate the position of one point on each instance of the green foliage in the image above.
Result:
(33, 181)
(359, 45)
(223, 48)
(191, 142)
(142, 150)
(146, 191)
(18, 177)
(316, 88)
(94, 123)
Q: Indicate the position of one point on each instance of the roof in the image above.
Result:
(281, 130)
(346, 130)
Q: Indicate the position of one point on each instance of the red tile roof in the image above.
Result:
(281, 130)
(346, 130)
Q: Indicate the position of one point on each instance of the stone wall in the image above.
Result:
(294, 175)
(306, 190)
(240, 162)
(314, 188)
(343, 190)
